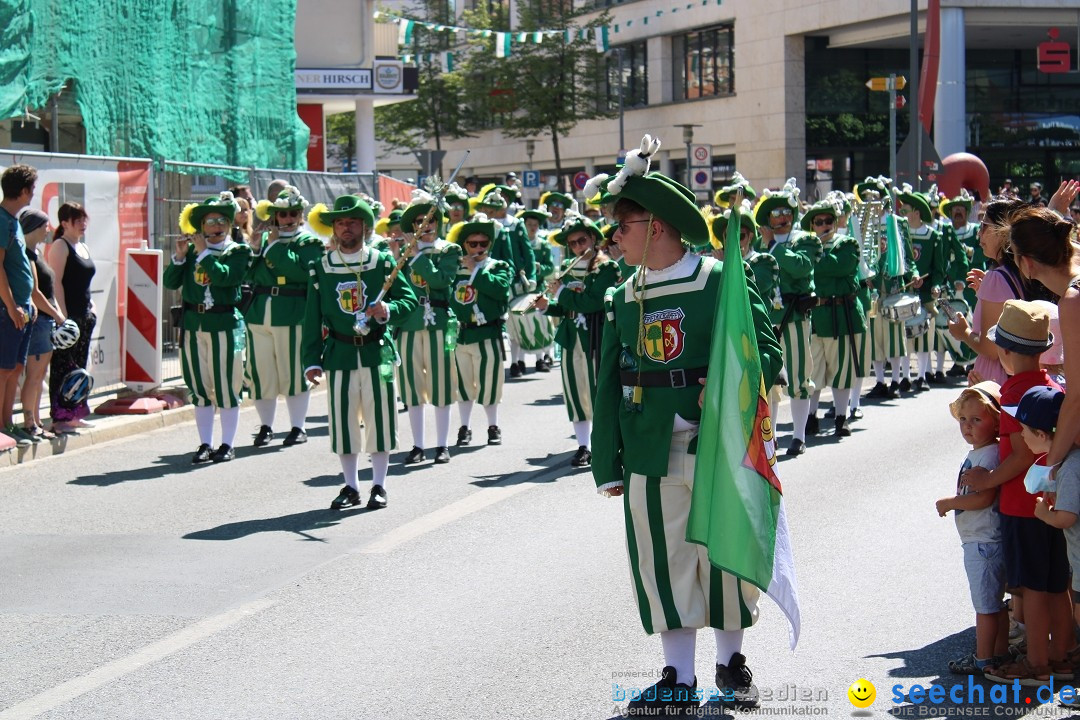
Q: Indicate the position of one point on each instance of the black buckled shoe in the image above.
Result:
(830, 414)
(225, 453)
(442, 455)
(957, 370)
(415, 455)
(920, 386)
(812, 425)
(515, 370)
(736, 683)
(894, 390)
(296, 436)
(582, 458)
(542, 366)
(263, 436)
(377, 498)
(346, 498)
(549, 361)
(666, 698)
(879, 391)
(202, 455)
(521, 366)
(905, 385)
(855, 414)
(464, 436)
(797, 447)
(842, 430)
(494, 435)
(939, 378)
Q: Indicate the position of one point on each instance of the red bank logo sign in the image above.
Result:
(1055, 56)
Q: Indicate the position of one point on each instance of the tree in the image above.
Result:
(655, 337)
(546, 87)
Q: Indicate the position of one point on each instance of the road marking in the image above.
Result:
(65, 692)
(457, 510)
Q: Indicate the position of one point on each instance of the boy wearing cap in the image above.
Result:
(978, 410)
(1038, 413)
(1035, 556)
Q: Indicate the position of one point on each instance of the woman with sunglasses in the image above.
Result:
(479, 299)
(578, 298)
(208, 267)
(279, 278)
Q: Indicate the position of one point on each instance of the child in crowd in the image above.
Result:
(1038, 413)
(1035, 559)
(977, 410)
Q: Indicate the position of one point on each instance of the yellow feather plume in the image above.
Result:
(185, 219)
(485, 190)
(710, 216)
(721, 201)
(453, 236)
(474, 202)
(314, 221)
(382, 226)
(262, 210)
(544, 197)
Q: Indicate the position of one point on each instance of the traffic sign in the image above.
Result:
(701, 179)
(701, 156)
(901, 101)
(580, 180)
(884, 84)
(530, 178)
(621, 157)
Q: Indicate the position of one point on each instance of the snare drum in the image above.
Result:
(531, 329)
(901, 307)
(917, 326)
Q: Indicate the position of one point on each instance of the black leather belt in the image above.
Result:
(473, 326)
(359, 340)
(435, 303)
(836, 300)
(201, 308)
(678, 378)
(275, 291)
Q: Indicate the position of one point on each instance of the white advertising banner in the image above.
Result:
(115, 192)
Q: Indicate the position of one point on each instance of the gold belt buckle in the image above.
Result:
(200, 308)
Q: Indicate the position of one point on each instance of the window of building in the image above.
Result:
(704, 63)
(631, 62)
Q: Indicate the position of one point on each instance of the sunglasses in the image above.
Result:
(578, 241)
(288, 213)
(780, 212)
(215, 221)
(477, 243)
(823, 221)
(622, 226)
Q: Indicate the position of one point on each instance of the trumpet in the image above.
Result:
(867, 231)
(555, 281)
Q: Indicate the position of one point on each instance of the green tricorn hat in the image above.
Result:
(493, 199)
(879, 185)
(394, 218)
(821, 207)
(786, 197)
(719, 222)
(557, 198)
(738, 182)
(456, 195)
(542, 215)
(480, 224)
(191, 217)
(345, 206)
(917, 200)
(576, 223)
(510, 194)
(963, 200)
(665, 198)
(422, 203)
(608, 231)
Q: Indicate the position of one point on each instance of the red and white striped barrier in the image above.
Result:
(142, 322)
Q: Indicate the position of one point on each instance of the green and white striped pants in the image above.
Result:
(889, 340)
(833, 364)
(428, 371)
(212, 368)
(798, 360)
(273, 361)
(931, 340)
(480, 371)
(363, 416)
(579, 383)
(675, 585)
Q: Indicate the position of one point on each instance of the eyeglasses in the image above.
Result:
(578, 241)
(288, 213)
(823, 221)
(477, 243)
(215, 221)
(622, 226)
(780, 212)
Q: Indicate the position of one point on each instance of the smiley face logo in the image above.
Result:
(862, 693)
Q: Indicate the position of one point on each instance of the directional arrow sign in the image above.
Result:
(882, 84)
(901, 101)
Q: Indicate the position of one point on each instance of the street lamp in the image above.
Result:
(530, 148)
(688, 138)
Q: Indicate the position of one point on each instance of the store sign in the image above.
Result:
(1055, 56)
(339, 79)
(389, 77)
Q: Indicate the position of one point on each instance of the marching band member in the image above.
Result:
(534, 221)
(524, 264)
(914, 207)
(738, 183)
(965, 253)
(388, 234)
(356, 352)
(845, 203)
(557, 204)
(208, 267)
(480, 299)
(428, 370)
(578, 299)
(795, 252)
(279, 276)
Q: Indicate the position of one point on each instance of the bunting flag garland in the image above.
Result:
(502, 44)
(601, 34)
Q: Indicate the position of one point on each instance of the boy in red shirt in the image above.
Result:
(1036, 561)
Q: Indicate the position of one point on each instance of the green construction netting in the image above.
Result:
(207, 81)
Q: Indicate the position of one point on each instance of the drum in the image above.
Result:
(901, 306)
(917, 326)
(531, 329)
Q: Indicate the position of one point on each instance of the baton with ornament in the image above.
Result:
(437, 197)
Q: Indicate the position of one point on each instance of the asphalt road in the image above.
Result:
(133, 585)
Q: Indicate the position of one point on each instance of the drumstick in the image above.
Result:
(920, 277)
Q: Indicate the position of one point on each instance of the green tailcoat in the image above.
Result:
(682, 311)
(334, 298)
(955, 255)
(795, 259)
(430, 274)
(929, 259)
(545, 263)
(523, 258)
(582, 293)
(283, 265)
(839, 312)
(222, 272)
(481, 297)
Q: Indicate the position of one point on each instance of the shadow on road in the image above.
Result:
(543, 466)
(164, 465)
(298, 523)
(542, 402)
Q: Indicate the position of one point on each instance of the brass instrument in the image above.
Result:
(554, 282)
(867, 232)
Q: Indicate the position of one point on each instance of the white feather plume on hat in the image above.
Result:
(637, 163)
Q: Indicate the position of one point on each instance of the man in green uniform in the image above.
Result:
(208, 268)
(278, 276)
(646, 419)
(491, 205)
(523, 261)
(795, 252)
(928, 254)
(480, 299)
(965, 253)
(845, 225)
(428, 373)
(738, 184)
(556, 203)
(536, 327)
(356, 352)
